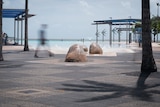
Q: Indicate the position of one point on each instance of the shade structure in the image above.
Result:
(12, 13)
(119, 22)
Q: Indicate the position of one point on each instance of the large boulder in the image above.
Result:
(76, 53)
(95, 49)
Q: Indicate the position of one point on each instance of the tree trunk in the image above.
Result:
(148, 62)
(1, 56)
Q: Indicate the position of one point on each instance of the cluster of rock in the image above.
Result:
(77, 53)
(95, 49)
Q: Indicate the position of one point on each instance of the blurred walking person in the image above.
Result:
(43, 41)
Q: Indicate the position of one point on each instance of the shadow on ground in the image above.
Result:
(10, 64)
(139, 92)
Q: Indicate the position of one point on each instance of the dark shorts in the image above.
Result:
(43, 42)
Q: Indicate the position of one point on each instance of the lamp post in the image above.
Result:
(158, 9)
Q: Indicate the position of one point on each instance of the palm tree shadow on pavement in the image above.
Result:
(116, 91)
(140, 90)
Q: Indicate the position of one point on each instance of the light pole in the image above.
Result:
(158, 9)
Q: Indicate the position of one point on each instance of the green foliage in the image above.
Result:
(155, 25)
(137, 25)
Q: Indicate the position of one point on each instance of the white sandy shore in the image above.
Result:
(12, 47)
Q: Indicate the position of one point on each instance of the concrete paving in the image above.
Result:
(103, 81)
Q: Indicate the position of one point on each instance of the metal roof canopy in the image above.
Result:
(18, 15)
(12, 13)
(115, 21)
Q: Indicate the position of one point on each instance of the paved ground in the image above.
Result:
(103, 81)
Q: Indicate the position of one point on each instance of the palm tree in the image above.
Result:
(97, 35)
(103, 34)
(114, 32)
(1, 7)
(119, 35)
(148, 62)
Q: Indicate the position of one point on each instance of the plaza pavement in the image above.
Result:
(103, 81)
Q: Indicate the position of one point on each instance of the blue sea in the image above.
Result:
(64, 45)
(67, 44)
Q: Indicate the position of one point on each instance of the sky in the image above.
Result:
(68, 19)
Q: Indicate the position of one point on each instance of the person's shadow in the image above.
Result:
(139, 92)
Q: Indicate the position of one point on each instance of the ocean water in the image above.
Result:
(64, 45)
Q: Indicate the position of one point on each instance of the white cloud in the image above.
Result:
(154, 1)
(86, 7)
(84, 4)
(13, 3)
(126, 4)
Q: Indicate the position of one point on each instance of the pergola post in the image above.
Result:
(110, 37)
(17, 30)
(126, 35)
(21, 32)
(14, 30)
(97, 33)
(119, 36)
(26, 48)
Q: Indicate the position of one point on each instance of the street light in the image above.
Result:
(158, 9)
